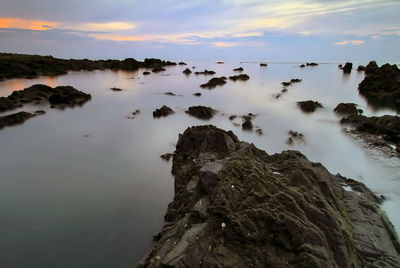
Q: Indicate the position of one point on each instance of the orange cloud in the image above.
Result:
(26, 24)
(349, 42)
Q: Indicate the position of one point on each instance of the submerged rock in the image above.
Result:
(237, 206)
(201, 112)
(213, 82)
(187, 71)
(309, 106)
(347, 67)
(381, 86)
(205, 72)
(163, 111)
(242, 77)
(240, 69)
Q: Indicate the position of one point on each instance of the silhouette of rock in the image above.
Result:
(201, 112)
(309, 106)
(162, 112)
(216, 81)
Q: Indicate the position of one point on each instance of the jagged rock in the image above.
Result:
(347, 67)
(242, 77)
(240, 69)
(347, 109)
(205, 72)
(213, 82)
(201, 112)
(163, 111)
(309, 106)
(237, 206)
(187, 71)
(381, 86)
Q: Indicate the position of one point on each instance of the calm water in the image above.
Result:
(86, 187)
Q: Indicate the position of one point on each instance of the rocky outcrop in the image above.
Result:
(116, 89)
(291, 82)
(311, 64)
(241, 77)
(201, 112)
(187, 71)
(263, 65)
(205, 72)
(237, 206)
(381, 86)
(295, 136)
(58, 97)
(14, 119)
(347, 67)
(361, 68)
(213, 82)
(182, 63)
(309, 106)
(197, 94)
(347, 109)
(162, 112)
(240, 69)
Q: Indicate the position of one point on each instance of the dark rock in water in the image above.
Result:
(163, 111)
(182, 63)
(247, 125)
(171, 94)
(340, 66)
(146, 73)
(39, 112)
(158, 69)
(201, 112)
(116, 89)
(347, 67)
(237, 206)
(232, 117)
(134, 114)
(240, 69)
(263, 65)
(387, 126)
(360, 68)
(60, 97)
(167, 156)
(220, 62)
(381, 86)
(187, 71)
(311, 64)
(14, 119)
(309, 106)
(259, 131)
(347, 109)
(292, 81)
(294, 136)
(213, 82)
(242, 77)
(198, 94)
(302, 66)
(286, 84)
(205, 72)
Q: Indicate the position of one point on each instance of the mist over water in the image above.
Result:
(86, 187)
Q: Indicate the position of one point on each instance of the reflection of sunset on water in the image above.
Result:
(8, 86)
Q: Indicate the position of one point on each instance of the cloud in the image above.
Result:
(349, 42)
(222, 44)
(16, 23)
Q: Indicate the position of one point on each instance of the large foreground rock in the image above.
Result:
(237, 206)
(381, 85)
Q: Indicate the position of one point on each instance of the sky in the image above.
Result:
(269, 30)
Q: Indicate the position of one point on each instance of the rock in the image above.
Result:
(247, 125)
(259, 131)
(163, 111)
(167, 156)
(187, 71)
(201, 112)
(232, 117)
(309, 106)
(347, 109)
(295, 80)
(381, 86)
(237, 206)
(205, 72)
(146, 73)
(182, 63)
(347, 67)
(134, 114)
(39, 112)
(116, 89)
(240, 69)
(242, 77)
(198, 94)
(294, 136)
(360, 68)
(220, 62)
(292, 81)
(59, 97)
(171, 94)
(263, 65)
(302, 66)
(311, 64)
(213, 82)
(340, 66)
(14, 119)
(158, 69)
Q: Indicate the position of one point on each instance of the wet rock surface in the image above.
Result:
(162, 112)
(381, 86)
(237, 206)
(241, 77)
(201, 112)
(309, 106)
(58, 97)
(15, 119)
(213, 82)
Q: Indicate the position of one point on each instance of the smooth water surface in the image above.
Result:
(85, 187)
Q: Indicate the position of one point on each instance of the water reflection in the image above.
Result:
(95, 201)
